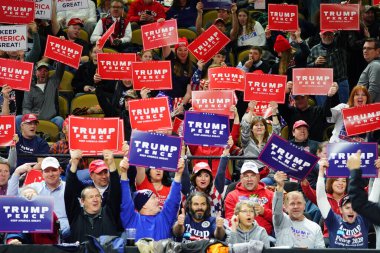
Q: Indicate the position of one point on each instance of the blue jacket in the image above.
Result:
(155, 226)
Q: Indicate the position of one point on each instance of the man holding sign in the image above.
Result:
(122, 33)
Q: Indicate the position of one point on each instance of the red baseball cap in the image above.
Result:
(201, 166)
(26, 118)
(327, 31)
(300, 123)
(75, 21)
(97, 166)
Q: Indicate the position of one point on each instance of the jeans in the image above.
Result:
(343, 93)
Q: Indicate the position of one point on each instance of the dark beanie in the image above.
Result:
(281, 44)
(140, 198)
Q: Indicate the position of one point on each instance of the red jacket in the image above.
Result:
(261, 195)
(138, 7)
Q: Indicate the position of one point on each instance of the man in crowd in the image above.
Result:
(90, 216)
(123, 32)
(52, 185)
(145, 12)
(250, 188)
(314, 116)
(29, 142)
(42, 99)
(293, 229)
(301, 137)
(198, 224)
(144, 212)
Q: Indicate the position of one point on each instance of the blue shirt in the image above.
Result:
(36, 145)
(346, 235)
(203, 230)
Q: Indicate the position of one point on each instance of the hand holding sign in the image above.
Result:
(178, 174)
(124, 166)
(354, 161)
(333, 89)
(280, 178)
(125, 148)
(109, 159)
(76, 155)
(323, 165)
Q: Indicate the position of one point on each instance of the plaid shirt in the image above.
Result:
(336, 59)
(62, 147)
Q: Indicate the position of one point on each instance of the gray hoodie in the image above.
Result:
(257, 233)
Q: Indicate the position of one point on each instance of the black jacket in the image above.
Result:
(107, 222)
(359, 198)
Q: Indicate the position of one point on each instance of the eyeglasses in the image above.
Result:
(117, 7)
(368, 48)
(247, 211)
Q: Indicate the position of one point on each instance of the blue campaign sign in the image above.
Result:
(216, 4)
(338, 153)
(206, 129)
(279, 154)
(154, 150)
(18, 214)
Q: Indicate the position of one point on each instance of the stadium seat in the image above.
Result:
(187, 33)
(242, 55)
(49, 128)
(109, 50)
(209, 17)
(327, 133)
(65, 85)
(136, 37)
(63, 107)
(285, 133)
(86, 100)
(82, 35)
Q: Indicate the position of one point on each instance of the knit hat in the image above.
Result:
(281, 44)
(182, 42)
(140, 198)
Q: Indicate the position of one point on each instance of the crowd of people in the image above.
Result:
(243, 204)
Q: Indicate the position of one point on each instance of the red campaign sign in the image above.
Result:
(375, 2)
(33, 176)
(17, 11)
(226, 78)
(93, 134)
(177, 124)
(283, 17)
(214, 101)
(115, 66)
(155, 75)
(16, 74)
(100, 43)
(158, 35)
(362, 119)
(119, 150)
(265, 87)
(339, 17)
(209, 43)
(312, 81)
(64, 51)
(263, 109)
(150, 114)
(7, 130)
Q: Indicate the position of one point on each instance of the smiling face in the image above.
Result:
(91, 200)
(51, 176)
(339, 186)
(101, 179)
(258, 129)
(202, 180)
(182, 54)
(360, 98)
(348, 214)
(301, 133)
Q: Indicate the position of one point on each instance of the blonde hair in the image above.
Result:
(241, 203)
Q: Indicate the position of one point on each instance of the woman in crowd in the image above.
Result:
(203, 180)
(246, 31)
(244, 227)
(359, 96)
(255, 134)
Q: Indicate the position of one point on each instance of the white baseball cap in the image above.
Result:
(50, 162)
(249, 166)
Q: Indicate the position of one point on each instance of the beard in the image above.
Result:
(196, 215)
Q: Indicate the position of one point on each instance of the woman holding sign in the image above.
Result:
(359, 96)
(203, 181)
(255, 134)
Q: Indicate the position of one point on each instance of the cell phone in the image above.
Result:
(149, 12)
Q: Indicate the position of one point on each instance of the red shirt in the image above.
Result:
(161, 194)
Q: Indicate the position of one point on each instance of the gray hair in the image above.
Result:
(241, 203)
